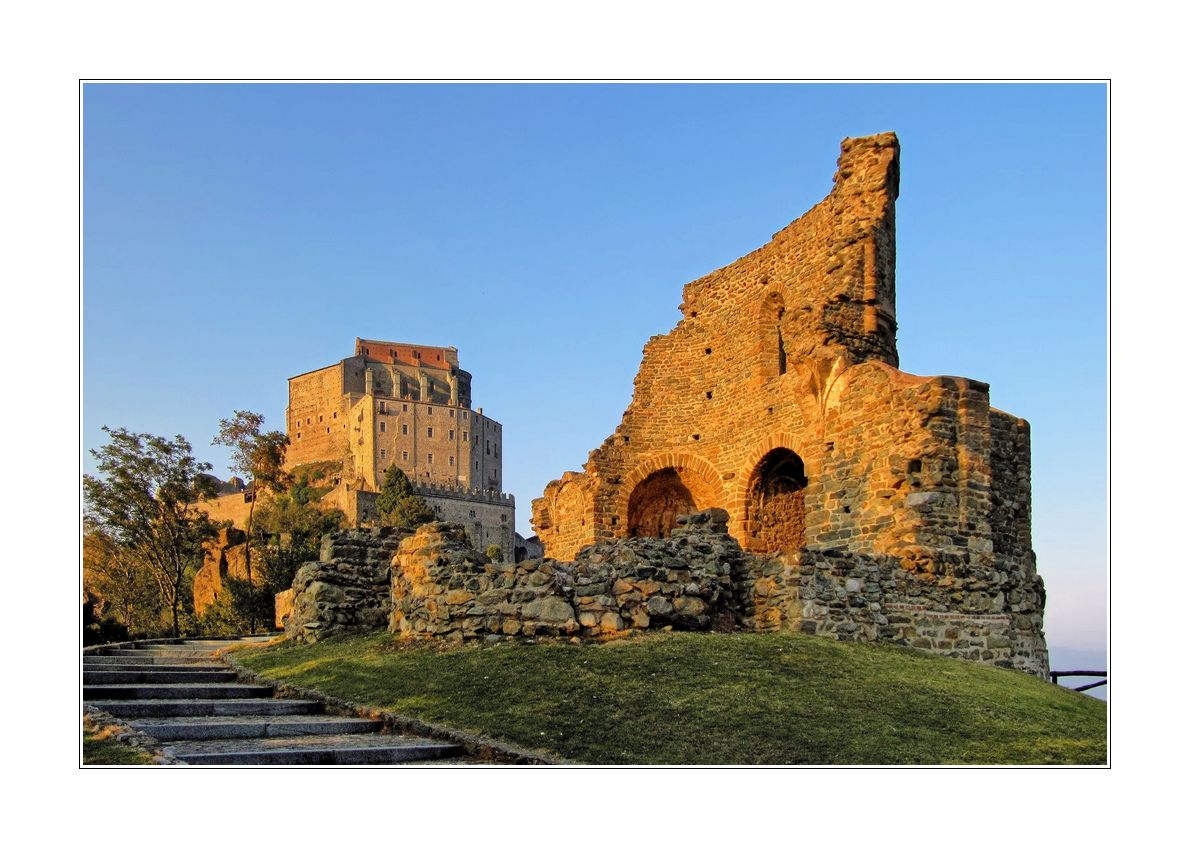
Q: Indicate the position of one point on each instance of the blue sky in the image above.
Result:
(236, 235)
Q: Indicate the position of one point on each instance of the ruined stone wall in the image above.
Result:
(346, 591)
(441, 587)
(987, 614)
(696, 578)
(747, 368)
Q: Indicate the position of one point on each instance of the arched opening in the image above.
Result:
(776, 510)
(655, 504)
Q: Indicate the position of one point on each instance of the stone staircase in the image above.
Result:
(182, 694)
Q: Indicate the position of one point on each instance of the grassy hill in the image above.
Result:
(711, 698)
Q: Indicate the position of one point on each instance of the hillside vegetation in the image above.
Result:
(710, 698)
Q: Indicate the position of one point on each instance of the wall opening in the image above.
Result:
(776, 508)
(655, 504)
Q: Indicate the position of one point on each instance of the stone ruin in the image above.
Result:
(775, 470)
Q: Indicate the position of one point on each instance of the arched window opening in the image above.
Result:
(776, 509)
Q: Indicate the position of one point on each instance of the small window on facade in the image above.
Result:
(464, 416)
(451, 435)
(429, 459)
(429, 410)
(472, 513)
(503, 516)
(319, 419)
(404, 429)
(416, 354)
(328, 429)
(405, 455)
(334, 415)
(452, 413)
(382, 453)
(404, 407)
(299, 435)
(464, 435)
(430, 432)
(307, 420)
(383, 408)
(450, 461)
(476, 461)
(381, 426)
(487, 447)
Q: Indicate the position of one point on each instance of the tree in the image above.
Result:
(118, 583)
(289, 531)
(397, 503)
(255, 455)
(145, 500)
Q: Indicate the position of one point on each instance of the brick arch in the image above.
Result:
(697, 475)
(739, 502)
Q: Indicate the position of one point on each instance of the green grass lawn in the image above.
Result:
(710, 698)
(99, 750)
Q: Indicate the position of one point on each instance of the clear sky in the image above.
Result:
(236, 235)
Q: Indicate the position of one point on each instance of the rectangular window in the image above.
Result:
(405, 455)
(382, 453)
(477, 465)
(381, 426)
(383, 408)
(404, 429)
(464, 416)
(404, 407)
(429, 459)
(464, 435)
(451, 435)
(319, 419)
(487, 447)
(430, 432)
(451, 413)
(334, 415)
(450, 461)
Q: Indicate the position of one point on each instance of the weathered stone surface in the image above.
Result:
(684, 581)
(777, 402)
(346, 591)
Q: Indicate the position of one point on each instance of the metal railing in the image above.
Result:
(1054, 675)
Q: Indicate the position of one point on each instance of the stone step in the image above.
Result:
(218, 675)
(347, 749)
(147, 668)
(196, 653)
(92, 660)
(253, 726)
(199, 707)
(143, 691)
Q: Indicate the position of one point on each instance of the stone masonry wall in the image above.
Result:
(443, 588)
(346, 591)
(697, 578)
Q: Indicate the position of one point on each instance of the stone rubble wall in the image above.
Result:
(443, 588)
(698, 578)
(345, 591)
(985, 615)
